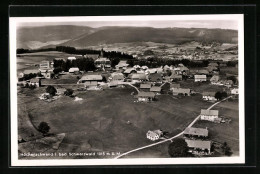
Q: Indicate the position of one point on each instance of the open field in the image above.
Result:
(99, 121)
(29, 60)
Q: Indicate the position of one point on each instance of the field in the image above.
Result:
(29, 60)
(100, 122)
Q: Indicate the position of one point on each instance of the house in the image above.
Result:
(157, 77)
(27, 72)
(138, 77)
(234, 91)
(195, 132)
(175, 85)
(214, 64)
(47, 73)
(202, 72)
(71, 58)
(156, 89)
(183, 91)
(90, 83)
(129, 71)
(92, 77)
(35, 82)
(117, 76)
(151, 71)
(93, 56)
(200, 78)
(214, 79)
(145, 86)
(175, 77)
(46, 64)
(209, 96)
(74, 70)
(102, 63)
(228, 83)
(154, 135)
(145, 96)
(144, 67)
(122, 64)
(199, 145)
(209, 115)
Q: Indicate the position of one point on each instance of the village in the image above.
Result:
(209, 84)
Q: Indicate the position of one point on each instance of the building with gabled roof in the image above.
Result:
(209, 96)
(214, 79)
(183, 91)
(175, 85)
(197, 132)
(145, 96)
(154, 135)
(209, 115)
(145, 86)
(200, 78)
(91, 77)
(156, 89)
(199, 145)
(139, 77)
(156, 77)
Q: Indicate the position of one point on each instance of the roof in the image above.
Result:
(117, 76)
(145, 86)
(181, 90)
(102, 59)
(183, 68)
(89, 83)
(31, 71)
(35, 80)
(196, 131)
(212, 64)
(209, 94)
(74, 69)
(214, 78)
(154, 133)
(200, 76)
(146, 94)
(155, 77)
(155, 89)
(175, 85)
(209, 112)
(175, 76)
(139, 76)
(198, 144)
(203, 71)
(91, 77)
(129, 70)
(153, 70)
(72, 58)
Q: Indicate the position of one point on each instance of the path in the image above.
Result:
(169, 139)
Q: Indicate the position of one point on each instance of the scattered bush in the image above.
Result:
(43, 127)
(51, 90)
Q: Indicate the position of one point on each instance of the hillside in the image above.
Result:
(37, 37)
(76, 36)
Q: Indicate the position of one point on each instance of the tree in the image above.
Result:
(68, 92)
(218, 95)
(224, 94)
(51, 90)
(43, 127)
(178, 148)
(226, 149)
(233, 78)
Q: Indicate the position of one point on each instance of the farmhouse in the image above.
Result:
(102, 63)
(200, 78)
(214, 79)
(90, 83)
(117, 76)
(46, 65)
(199, 145)
(71, 58)
(122, 64)
(130, 71)
(138, 77)
(195, 132)
(31, 71)
(35, 82)
(156, 89)
(209, 115)
(155, 77)
(154, 135)
(176, 77)
(145, 86)
(203, 72)
(183, 91)
(87, 78)
(74, 70)
(209, 96)
(145, 96)
(234, 91)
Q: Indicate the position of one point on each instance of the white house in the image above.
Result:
(199, 145)
(209, 96)
(234, 91)
(74, 70)
(71, 58)
(209, 115)
(154, 135)
(200, 78)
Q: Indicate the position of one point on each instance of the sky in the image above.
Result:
(223, 24)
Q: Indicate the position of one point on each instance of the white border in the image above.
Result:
(137, 161)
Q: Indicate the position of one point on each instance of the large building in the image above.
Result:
(209, 115)
(102, 62)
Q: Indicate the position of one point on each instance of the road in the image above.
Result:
(169, 139)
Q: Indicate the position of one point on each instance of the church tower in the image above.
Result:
(102, 53)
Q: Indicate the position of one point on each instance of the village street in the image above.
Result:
(169, 139)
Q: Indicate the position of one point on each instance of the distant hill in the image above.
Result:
(85, 36)
(36, 37)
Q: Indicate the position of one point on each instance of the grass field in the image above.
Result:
(99, 121)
